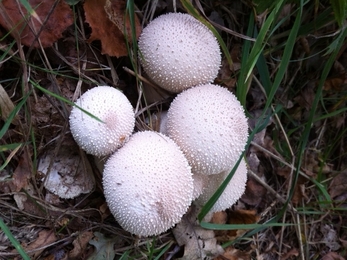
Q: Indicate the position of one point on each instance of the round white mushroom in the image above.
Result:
(116, 113)
(200, 181)
(177, 52)
(148, 184)
(210, 126)
(233, 191)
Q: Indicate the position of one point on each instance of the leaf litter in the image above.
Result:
(41, 26)
(66, 173)
(198, 243)
(25, 197)
(106, 18)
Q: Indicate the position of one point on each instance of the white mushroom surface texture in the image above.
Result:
(148, 184)
(210, 126)
(177, 52)
(200, 182)
(113, 108)
(233, 191)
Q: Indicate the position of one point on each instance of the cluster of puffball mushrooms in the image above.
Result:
(151, 178)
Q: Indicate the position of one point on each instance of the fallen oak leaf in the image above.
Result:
(45, 238)
(46, 23)
(20, 177)
(115, 10)
(80, 245)
(103, 29)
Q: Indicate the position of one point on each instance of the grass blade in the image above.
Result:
(248, 64)
(192, 11)
(14, 241)
(12, 115)
(64, 100)
(209, 204)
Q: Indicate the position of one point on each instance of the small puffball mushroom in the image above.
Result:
(200, 181)
(148, 184)
(113, 108)
(209, 124)
(177, 52)
(233, 191)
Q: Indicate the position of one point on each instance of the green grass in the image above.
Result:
(253, 58)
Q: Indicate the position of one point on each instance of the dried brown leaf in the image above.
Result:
(232, 253)
(255, 192)
(46, 237)
(115, 10)
(294, 252)
(80, 245)
(338, 185)
(234, 217)
(198, 243)
(20, 177)
(300, 188)
(103, 29)
(306, 97)
(49, 20)
(225, 75)
(243, 217)
(343, 242)
(335, 83)
(220, 217)
(333, 256)
(6, 106)
(305, 45)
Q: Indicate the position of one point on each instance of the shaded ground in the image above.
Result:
(298, 156)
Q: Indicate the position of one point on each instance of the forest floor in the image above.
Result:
(288, 70)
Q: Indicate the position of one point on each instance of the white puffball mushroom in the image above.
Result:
(148, 184)
(177, 52)
(113, 108)
(200, 181)
(233, 191)
(209, 124)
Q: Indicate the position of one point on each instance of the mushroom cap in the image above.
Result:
(233, 191)
(148, 184)
(200, 181)
(177, 52)
(113, 108)
(209, 124)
